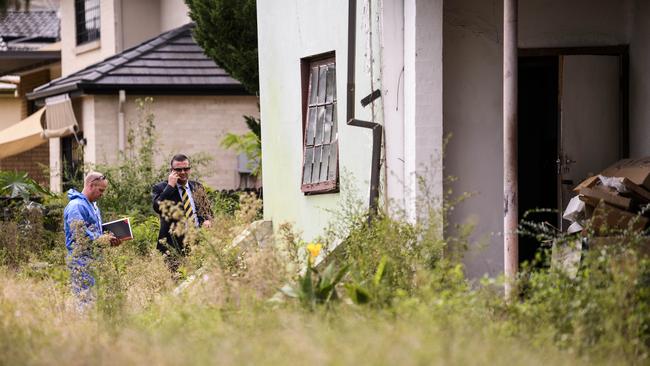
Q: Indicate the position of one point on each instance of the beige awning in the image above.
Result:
(24, 135)
(60, 119)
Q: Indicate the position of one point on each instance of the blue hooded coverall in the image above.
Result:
(79, 209)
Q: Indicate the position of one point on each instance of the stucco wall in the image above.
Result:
(315, 27)
(473, 94)
(184, 124)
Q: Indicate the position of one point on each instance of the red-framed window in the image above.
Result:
(320, 169)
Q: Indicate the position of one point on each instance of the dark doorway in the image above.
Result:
(72, 157)
(538, 146)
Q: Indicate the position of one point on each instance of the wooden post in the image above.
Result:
(510, 194)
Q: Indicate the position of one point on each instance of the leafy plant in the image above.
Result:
(370, 290)
(145, 235)
(20, 185)
(313, 287)
(249, 143)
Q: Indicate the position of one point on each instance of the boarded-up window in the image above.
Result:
(320, 145)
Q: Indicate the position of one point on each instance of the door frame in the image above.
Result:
(622, 51)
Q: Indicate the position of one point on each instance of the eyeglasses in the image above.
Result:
(101, 177)
(178, 170)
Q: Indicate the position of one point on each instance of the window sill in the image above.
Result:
(320, 188)
(87, 47)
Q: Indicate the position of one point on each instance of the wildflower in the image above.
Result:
(314, 249)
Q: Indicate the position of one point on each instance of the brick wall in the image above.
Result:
(34, 162)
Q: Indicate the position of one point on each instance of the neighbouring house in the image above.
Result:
(29, 56)
(431, 75)
(115, 52)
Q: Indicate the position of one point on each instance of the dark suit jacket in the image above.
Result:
(164, 192)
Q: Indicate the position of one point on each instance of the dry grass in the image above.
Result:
(40, 326)
(226, 319)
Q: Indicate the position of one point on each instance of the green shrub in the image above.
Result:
(145, 235)
(24, 236)
(604, 309)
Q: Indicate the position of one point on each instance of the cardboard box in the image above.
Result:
(607, 196)
(587, 183)
(636, 170)
(607, 218)
(640, 194)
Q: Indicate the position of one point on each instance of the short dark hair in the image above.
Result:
(178, 157)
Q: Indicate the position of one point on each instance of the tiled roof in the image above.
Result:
(33, 24)
(172, 63)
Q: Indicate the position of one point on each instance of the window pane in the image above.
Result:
(319, 126)
(327, 125)
(311, 127)
(331, 83)
(313, 85)
(322, 83)
(333, 161)
(315, 175)
(309, 157)
(324, 163)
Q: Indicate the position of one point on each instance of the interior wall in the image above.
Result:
(472, 79)
(640, 81)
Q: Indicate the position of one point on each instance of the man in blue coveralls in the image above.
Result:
(83, 225)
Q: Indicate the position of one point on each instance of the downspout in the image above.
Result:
(121, 130)
(510, 189)
(376, 128)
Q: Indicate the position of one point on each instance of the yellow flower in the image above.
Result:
(314, 249)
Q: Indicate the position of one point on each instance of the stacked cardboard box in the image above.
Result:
(614, 200)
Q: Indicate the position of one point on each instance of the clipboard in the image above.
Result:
(121, 228)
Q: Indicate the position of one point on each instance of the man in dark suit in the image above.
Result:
(189, 196)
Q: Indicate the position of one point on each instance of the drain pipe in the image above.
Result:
(376, 128)
(121, 130)
(510, 189)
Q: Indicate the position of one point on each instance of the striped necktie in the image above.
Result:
(187, 206)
